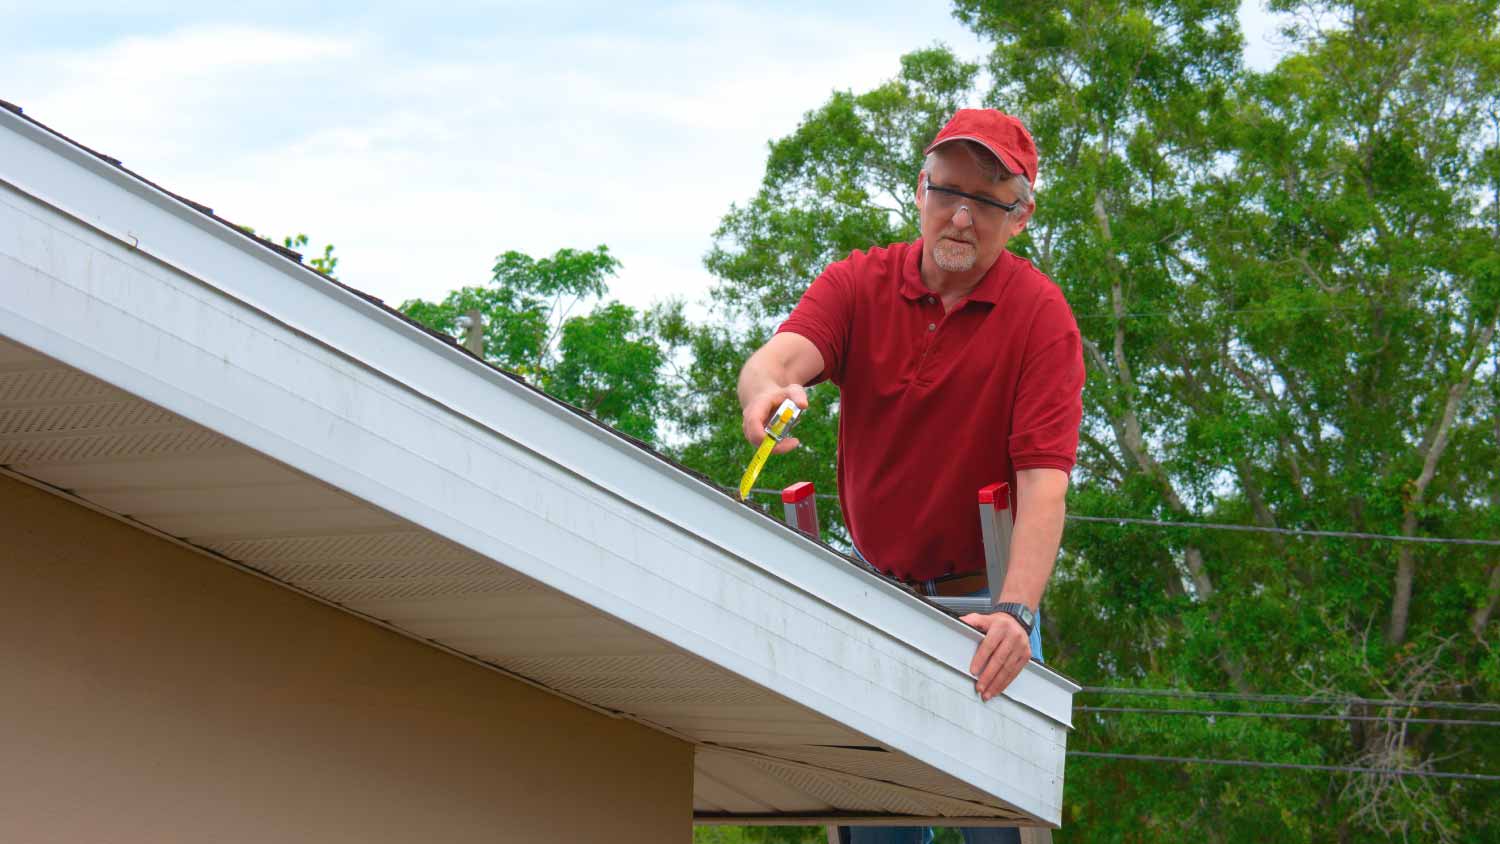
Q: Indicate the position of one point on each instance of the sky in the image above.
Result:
(423, 140)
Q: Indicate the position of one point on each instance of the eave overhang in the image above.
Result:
(107, 276)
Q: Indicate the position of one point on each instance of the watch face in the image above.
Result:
(1021, 613)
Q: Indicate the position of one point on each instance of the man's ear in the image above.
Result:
(1024, 220)
(921, 185)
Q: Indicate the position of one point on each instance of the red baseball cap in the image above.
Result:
(1004, 136)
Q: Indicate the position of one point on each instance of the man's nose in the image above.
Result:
(967, 217)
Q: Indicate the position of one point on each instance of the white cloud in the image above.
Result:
(422, 155)
(154, 98)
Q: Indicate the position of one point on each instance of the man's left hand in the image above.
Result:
(1004, 651)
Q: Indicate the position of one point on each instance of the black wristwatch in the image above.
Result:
(1024, 615)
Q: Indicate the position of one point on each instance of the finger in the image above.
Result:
(993, 667)
(985, 651)
(756, 414)
(978, 621)
(797, 394)
(1005, 664)
(753, 435)
(1012, 644)
(1006, 676)
(1009, 675)
(786, 445)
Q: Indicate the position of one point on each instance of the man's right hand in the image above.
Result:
(758, 410)
(776, 372)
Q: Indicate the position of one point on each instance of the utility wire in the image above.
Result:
(1319, 309)
(1250, 763)
(1297, 716)
(1458, 705)
(1314, 309)
(1328, 534)
(1332, 534)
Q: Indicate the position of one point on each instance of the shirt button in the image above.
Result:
(932, 326)
(931, 300)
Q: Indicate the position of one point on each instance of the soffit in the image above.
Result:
(759, 756)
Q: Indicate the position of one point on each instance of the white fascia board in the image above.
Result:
(154, 297)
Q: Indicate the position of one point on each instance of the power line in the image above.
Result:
(1327, 534)
(1331, 534)
(1295, 716)
(1250, 763)
(1461, 706)
(1316, 309)
(1313, 310)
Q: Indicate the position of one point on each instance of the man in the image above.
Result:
(959, 364)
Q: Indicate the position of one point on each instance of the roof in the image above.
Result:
(161, 365)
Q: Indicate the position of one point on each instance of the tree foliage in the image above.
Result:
(760, 835)
(1289, 288)
(324, 262)
(605, 360)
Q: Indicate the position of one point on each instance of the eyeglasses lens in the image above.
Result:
(947, 202)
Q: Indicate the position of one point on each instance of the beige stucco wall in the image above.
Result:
(148, 693)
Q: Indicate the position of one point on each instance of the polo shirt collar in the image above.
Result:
(989, 289)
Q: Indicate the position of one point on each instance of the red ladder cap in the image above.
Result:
(996, 494)
(797, 492)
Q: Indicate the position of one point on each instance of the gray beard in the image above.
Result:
(954, 257)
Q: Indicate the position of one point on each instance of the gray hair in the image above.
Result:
(995, 171)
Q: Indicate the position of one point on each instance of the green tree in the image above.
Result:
(759, 835)
(324, 262)
(1372, 263)
(1285, 283)
(605, 360)
(1287, 286)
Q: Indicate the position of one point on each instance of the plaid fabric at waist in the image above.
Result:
(958, 585)
(954, 585)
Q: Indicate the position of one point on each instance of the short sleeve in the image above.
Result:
(1049, 396)
(823, 316)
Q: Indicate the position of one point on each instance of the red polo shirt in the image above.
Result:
(933, 406)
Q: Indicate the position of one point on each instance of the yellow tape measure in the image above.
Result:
(782, 421)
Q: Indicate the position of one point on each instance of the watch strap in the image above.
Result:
(1024, 615)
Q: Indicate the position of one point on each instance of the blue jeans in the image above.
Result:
(922, 834)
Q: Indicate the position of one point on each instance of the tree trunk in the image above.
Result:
(1129, 433)
(1434, 444)
(1487, 609)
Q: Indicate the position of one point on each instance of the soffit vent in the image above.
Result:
(574, 670)
(362, 570)
(53, 385)
(73, 449)
(383, 589)
(79, 418)
(385, 546)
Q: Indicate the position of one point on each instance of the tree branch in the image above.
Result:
(1128, 431)
(1434, 444)
(1486, 610)
(1288, 447)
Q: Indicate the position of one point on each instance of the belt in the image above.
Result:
(954, 585)
(958, 585)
